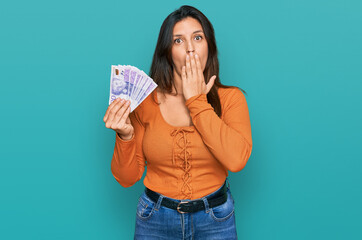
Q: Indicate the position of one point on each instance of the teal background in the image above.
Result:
(299, 62)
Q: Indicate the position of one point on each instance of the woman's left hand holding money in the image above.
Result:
(193, 82)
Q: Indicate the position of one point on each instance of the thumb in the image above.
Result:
(210, 84)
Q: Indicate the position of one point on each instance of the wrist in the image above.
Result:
(187, 96)
(200, 96)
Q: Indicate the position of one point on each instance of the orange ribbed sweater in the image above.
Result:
(185, 162)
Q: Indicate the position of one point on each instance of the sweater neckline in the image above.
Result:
(164, 121)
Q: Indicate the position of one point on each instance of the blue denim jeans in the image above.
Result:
(154, 221)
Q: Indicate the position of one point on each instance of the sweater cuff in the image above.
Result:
(198, 104)
(121, 141)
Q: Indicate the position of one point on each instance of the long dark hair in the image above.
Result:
(162, 66)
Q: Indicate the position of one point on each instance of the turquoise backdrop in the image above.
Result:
(300, 63)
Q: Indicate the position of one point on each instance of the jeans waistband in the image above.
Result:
(184, 206)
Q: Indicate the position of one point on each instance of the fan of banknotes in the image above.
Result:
(130, 83)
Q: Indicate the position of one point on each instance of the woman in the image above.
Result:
(189, 132)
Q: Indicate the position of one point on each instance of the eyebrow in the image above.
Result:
(179, 35)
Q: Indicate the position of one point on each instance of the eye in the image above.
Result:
(198, 37)
(177, 40)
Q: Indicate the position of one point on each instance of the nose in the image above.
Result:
(190, 47)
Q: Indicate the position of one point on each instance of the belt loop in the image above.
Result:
(159, 201)
(206, 203)
(227, 180)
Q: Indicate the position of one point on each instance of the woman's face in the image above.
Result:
(188, 36)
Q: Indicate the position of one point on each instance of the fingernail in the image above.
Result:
(196, 55)
(187, 57)
(191, 54)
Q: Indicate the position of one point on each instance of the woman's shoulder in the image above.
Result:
(232, 101)
(230, 94)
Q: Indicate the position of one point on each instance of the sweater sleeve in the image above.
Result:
(128, 161)
(228, 139)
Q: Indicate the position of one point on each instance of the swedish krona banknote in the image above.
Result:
(130, 83)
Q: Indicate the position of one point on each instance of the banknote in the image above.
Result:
(118, 87)
(130, 83)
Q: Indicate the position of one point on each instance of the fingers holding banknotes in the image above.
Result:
(117, 118)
